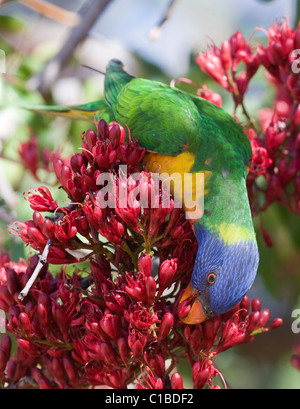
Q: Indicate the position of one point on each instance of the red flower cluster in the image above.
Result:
(117, 321)
(275, 170)
(222, 65)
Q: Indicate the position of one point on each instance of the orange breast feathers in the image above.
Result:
(188, 187)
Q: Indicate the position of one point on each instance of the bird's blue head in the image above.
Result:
(222, 275)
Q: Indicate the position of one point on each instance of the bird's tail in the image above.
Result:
(115, 79)
(86, 112)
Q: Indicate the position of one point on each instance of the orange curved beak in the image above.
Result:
(196, 314)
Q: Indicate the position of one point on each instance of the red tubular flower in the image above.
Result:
(43, 201)
(221, 65)
(136, 342)
(63, 230)
(140, 317)
(150, 381)
(167, 271)
(150, 286)
(110, 323)
(166, 325)
(112, 231)
(210, 96)
(211, 64)
(156, 362)
(144, 264)
(203, 372)
(136, 288)
(129, 213)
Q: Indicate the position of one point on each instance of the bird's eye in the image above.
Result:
(211, 278)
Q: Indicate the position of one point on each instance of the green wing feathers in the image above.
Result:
(161, 118)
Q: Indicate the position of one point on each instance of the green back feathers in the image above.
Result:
(169, 121)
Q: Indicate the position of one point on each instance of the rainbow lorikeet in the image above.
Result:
(187, 134)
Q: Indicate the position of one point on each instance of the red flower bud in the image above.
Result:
(264, 317)
(108, 354)
(6, 345)
(24, 323)
(150, 287)
(254, 318)
(166, 325)
(256, 304)
(12, 281)
(42, 381)
(38, 240)
(57, 371)
(144, 264)
(123, 349)
(48, 229)
(166, 274)
(176, 381)
(27, 346)
(226, 55)
(77, 161)
(116, 134)
(91, 139)
(3, 362)
(70, 369)
(276, 323)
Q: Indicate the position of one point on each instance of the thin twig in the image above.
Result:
(297, 15)
(156, 30)
(40, 265)
(53, 11)
(89, 13)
